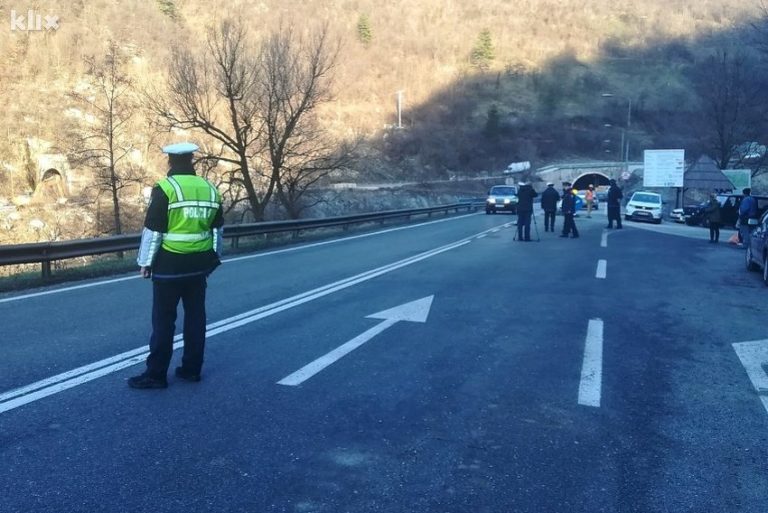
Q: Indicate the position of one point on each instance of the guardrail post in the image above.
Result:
(235, 242)
(46, 265)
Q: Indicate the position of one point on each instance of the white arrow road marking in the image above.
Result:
(753, 355)
(415, 311)
(592, 366)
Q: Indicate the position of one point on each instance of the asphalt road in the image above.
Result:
(589, 375)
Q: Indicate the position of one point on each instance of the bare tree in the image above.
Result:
(102, 140)
(295, 76)
(218, 94)
(258, 107)
(731, 103)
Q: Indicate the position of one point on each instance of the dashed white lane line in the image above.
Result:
(604, 240)
(592, 367)
(602, 269)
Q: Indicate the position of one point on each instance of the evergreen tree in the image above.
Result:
(364, 32)
(483, 52)
(168, 8)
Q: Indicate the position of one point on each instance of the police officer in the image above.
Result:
(180, 246)
(525, 195)
(569, 210)
(549, 199)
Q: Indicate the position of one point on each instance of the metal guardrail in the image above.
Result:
(47, 252)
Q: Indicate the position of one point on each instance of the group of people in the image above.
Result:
(747, 217)
(571, 203)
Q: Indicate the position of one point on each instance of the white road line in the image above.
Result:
(753, 355)
(312, 368)
(604, 240)
(49, 386)
(236, 259)
(602, 268)
(481, 236)
(592, 366)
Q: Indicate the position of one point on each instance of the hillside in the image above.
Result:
(484, 84)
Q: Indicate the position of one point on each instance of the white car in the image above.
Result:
(644, 206)
(677, 215)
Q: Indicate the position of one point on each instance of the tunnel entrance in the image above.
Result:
(599, 180)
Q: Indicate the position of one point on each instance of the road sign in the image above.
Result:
(740, 178)
(663, 168)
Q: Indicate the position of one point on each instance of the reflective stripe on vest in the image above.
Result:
(192, 206)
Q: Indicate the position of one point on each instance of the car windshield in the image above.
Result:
(647, 198)
(503, 191)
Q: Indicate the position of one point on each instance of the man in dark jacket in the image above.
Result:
(549, 199)
(713, 215)
(614, 205)
(525, 195)
(569, 210)
(747, 216)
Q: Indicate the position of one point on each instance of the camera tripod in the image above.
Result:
(535, 227)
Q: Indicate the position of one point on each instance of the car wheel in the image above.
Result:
(487, 211)
(765, 269)
(657, 221)
(627, 218)
(751, 265)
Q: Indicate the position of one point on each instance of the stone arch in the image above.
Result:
(592, 178)
(51, 186)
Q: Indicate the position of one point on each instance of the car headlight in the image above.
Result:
(506, 201)
(491, 200)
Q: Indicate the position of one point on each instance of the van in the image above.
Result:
(645, 206)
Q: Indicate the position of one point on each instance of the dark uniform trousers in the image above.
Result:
(524, 225)
(549, 220)
(166, 296)
(569, 225)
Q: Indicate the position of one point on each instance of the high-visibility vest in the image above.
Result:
(192, 205)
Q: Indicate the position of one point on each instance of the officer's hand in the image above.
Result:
(146, 272)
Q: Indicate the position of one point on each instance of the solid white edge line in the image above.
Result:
(64, 381)
(592, 365)
(236, 259)
(602, 268)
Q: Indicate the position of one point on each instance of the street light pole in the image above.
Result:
(625, 152)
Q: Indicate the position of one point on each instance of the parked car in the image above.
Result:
(501, 198)
(729, 210)
(757, 249)
(696, 215)
(677, 215)
(729, 207)
(644, 206)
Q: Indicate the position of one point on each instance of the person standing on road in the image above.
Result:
(713, 214)
(180, 247)
(613, 205)
(747, 216)
(569, 210)
(525, 195)
(549, 199)
(589, 196)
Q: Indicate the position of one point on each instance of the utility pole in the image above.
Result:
(400, 109)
